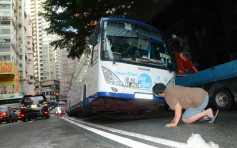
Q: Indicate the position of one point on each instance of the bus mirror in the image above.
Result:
(93, 39)
(177, 41)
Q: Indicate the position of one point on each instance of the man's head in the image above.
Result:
(158, 88)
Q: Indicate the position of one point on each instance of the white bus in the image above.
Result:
(121, 63)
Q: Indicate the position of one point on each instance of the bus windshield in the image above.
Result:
(133, 43)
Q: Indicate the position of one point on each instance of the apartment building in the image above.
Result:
(29, 58)
(67, 68)
(12, 45)
(8, 32)
(21, 37)
(45, 57)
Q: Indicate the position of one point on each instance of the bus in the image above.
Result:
(13, 102)
(121, 62)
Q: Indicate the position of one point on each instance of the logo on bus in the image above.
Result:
(145, 80)
(126, 73)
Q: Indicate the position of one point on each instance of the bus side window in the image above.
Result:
(95, 51)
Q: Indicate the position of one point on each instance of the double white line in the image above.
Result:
(122, 140)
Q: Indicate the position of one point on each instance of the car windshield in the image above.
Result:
(34, 100)
(133, 43)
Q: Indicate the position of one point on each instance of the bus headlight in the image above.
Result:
(110, 77)
(171, 82)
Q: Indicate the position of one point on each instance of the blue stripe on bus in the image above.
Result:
(111, 95)
(123, 96)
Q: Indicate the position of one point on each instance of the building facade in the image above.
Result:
(8, 32)
(12, 38)
(67, 69)
(29, 58)
(21, 39)
(45, 57)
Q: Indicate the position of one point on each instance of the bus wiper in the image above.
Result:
(152, 61)
(114, 60)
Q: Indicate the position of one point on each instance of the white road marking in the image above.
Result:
(119, 139)
(136, 135)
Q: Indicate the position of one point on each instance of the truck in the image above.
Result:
(219, 81)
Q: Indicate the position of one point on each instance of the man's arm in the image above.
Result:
(178, 113)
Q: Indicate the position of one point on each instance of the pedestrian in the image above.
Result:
(58, 112)
(194, 100)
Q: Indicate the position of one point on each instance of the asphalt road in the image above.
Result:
(102, 131)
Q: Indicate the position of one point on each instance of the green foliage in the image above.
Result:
(77, 19)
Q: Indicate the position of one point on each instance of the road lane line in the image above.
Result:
(136, 135)
(119, 139)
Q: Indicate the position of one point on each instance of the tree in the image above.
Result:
(74, 20)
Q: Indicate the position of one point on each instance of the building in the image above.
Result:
(8, 32)
(29, 58)
(46, 67)
(21, 39)
(49, 88)
(12, 37)
(67, 69)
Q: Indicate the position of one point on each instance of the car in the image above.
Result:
(7, 114)
(18, 113)
(34, 106)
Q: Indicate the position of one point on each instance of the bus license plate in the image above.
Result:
(144, 96)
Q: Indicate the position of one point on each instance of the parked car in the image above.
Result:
(18, 113)
(7, 114)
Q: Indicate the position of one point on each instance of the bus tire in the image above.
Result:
(69, 113)
(86, 109)
(222, 99)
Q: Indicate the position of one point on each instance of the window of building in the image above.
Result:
(4, 31)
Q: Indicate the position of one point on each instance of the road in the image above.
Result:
(122, 131)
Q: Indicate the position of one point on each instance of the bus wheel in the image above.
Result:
(222, 99)
(86, 109)
(69, 113)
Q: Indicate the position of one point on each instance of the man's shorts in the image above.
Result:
(189, 112)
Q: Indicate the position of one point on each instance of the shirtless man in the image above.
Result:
(194, 100)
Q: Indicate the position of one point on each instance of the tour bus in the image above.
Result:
(121, 63)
